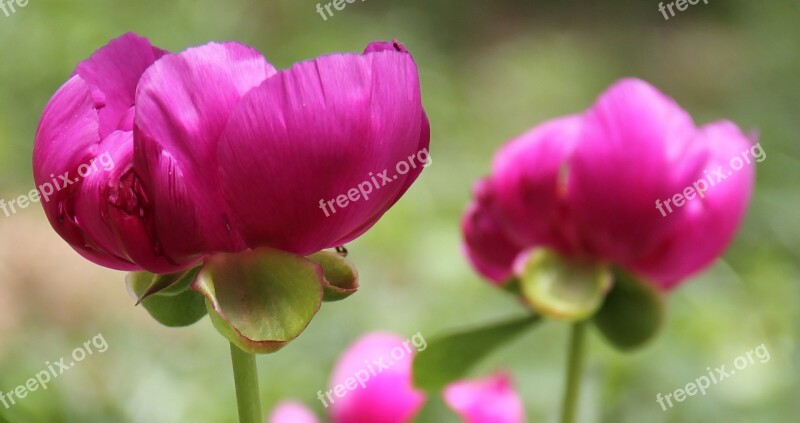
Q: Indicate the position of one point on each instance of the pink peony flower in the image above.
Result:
(632, 181)
(213, 150)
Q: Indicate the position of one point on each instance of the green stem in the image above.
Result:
(574, 372)
(245, 375)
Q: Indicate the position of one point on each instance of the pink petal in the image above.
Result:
(113, 211)
(635, 148)
(87, 210)
(388, 395)
(183, 104)
(490, 400)
(113, 73)
(292, 412)
(67, 135)
(82, 210)
(424, 146)
(379, 46)
(527, 186)
(487, 245)
(313, 134)
(705, 226)
(66, 138)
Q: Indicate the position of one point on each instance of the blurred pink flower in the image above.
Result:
(292, 412)
(388, 395)
(372, 383)
(216, 151)
(489, 400)
(587, 185)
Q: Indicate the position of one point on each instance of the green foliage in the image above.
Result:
(450, 357)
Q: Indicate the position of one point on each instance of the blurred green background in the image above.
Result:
(489, 70)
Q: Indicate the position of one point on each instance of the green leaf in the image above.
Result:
(176, 306)
(563, 289)
(341, 276)
(260, 300)
(632, 314)
(450, 357)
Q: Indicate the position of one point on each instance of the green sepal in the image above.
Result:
(632, 314)
(340, 275)
(561, 288)
(175, 306)
(260, 300)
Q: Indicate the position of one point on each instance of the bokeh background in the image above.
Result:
(489, 70)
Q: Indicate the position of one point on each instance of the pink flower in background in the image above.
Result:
(374, 383)
(292, 412)
(492, 399)
(388, 396)
(216, 151)
(587, 186)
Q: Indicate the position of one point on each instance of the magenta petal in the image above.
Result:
(83, 211)
(292, 412)
(490, 400)
(314, 134)
(66, 138)
(112, 212)
(113, 73)
(705, 226)
(183, 103)
(424, 146)
(87, 210)
(635, 148)
(378, 46)
(521, 204)
(388, 395)
(67, 135)
(487, 245)
(527, 185)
